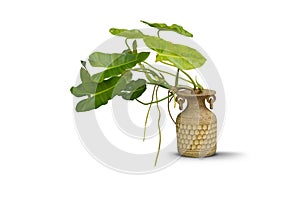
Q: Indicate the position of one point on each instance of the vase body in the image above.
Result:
(196, 126)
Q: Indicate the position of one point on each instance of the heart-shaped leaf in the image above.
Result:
(122, 83)
(174, 27)
(102, 93)
(130, 34)
(85, 75)
(119, 65)
(134, 89)
(181, 56)
(79, 91)
(99, 59)
(90, 87)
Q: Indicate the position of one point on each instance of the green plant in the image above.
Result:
(116, 78)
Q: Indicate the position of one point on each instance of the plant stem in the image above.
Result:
(152, 101)
(169, 73)
(158, 33)
(144, 70)
(160, 85)
(193, 82)
(169, 100)
(185, 87)
(159, 80)
(147, 115)
(176, 79)
(167, 63)
(158, 124)
(126, 42)
(199, 85)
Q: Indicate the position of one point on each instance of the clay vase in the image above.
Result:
(196, 126)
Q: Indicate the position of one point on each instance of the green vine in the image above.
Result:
(148, 111)
(158, 124)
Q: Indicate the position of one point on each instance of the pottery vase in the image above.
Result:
(196, 125)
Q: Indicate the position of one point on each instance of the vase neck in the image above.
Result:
(196, 103)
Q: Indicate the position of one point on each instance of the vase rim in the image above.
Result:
(189, 93)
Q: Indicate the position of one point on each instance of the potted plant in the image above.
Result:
(196, 126)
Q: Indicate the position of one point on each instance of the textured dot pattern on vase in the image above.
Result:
(197, 140)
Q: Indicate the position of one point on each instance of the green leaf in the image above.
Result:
(83, 63)
(174, 27)
(119, 65)
(97, 77)
(99, 59)
(87, 84)
(83, 89)
(79, 91)
(181, 56)
(85, 75)
(134, 89)
(130, 34)
(87, 104)
(124, 80)
(102, 93)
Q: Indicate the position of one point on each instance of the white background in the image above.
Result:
(255, 46)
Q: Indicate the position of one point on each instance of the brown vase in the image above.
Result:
(196, 126)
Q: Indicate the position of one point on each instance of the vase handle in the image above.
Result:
(211, 100)
(179, 100)
(169, 100)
